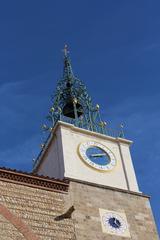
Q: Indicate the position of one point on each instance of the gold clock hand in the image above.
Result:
(98, 155)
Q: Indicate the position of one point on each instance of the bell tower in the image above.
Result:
(97, 162)
(80, 145)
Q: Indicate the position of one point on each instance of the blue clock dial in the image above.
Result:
(114, 222)
(97, 155)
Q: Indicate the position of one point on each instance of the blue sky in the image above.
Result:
(115, 49)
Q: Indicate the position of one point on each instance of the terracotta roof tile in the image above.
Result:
(34, 180)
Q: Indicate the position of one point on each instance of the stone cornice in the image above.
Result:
(140, 194)
(87, 132)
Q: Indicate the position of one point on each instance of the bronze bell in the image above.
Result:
(70, 107)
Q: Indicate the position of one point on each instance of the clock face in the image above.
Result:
(97, 156)
(114, 222)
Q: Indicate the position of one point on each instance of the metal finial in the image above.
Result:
(105, 123)
(50, 129)
(121, 125)
(121, 135)
(97, 107)
(52, 109)
(42, 145)
(44, 127)
(65, 50)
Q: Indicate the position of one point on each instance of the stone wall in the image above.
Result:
(88, 199)
(29, 213)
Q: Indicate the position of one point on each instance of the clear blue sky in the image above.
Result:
(115, 50)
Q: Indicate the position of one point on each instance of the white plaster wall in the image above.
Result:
(52, 164)
(62, 158)
(76, 168)
(133, 185)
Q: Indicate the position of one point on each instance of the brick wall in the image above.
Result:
(29, 213)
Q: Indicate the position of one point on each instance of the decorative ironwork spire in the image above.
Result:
(72, 104)
(67, 72)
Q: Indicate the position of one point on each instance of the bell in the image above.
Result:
(69, 109)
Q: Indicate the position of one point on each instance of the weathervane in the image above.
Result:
(65, 50)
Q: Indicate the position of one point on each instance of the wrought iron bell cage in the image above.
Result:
(72, 104)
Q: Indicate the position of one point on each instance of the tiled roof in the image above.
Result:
(34, 180)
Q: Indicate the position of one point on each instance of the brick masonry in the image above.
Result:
(18, 223)
(29, 213)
